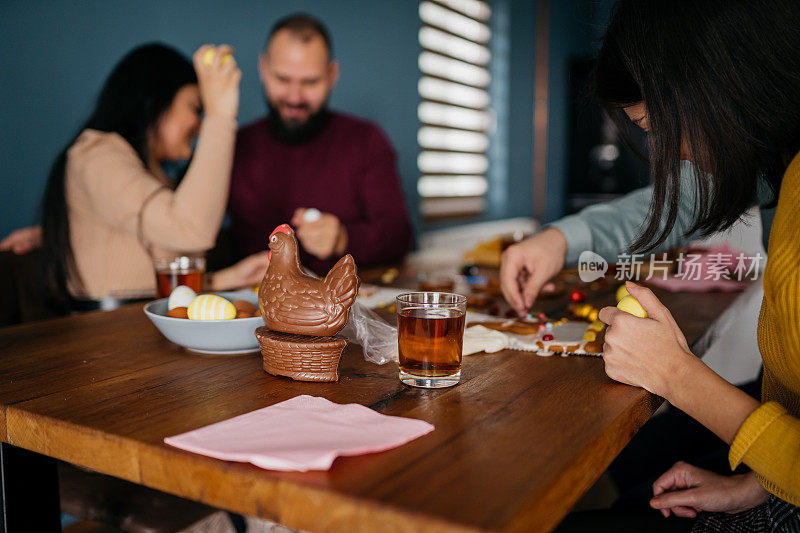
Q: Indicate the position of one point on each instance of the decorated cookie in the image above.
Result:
(572, 338)
(518, 326)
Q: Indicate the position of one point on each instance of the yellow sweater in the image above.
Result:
(120, 212)
(769, 440)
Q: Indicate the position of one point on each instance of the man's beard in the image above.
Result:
(298, 133)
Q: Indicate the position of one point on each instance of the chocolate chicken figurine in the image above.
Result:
(291, 301)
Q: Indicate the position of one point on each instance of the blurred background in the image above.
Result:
(483, 100)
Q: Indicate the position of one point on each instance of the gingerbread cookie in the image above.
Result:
(567, 337)
(518, 326)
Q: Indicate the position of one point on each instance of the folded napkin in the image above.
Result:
(304, 433)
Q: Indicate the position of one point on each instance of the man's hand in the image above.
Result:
(23, 240)
(322, 237)
(686, 490)
(526, 267)
(246, 273)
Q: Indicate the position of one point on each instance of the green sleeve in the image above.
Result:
(609, 228)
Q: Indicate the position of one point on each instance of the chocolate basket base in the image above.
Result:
(300, 357)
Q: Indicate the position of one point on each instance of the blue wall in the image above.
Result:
(522, 33)
(576, 27)
(58, 53)
(574, 30)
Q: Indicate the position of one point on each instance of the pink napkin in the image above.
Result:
(304, 433)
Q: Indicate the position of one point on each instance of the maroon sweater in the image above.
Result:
(349, 170)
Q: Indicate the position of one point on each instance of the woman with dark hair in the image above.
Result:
(717, 83)
(109, 207)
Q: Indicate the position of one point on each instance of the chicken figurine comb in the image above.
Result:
(302, 313)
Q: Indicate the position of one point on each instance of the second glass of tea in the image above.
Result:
(181, 270)
(430, 335)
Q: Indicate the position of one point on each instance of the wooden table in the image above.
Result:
(516, 443)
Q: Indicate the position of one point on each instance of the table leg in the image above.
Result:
(29, 483)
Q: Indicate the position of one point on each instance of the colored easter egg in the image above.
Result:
(243, 306)
(211, 307)
(208, 57)
(631, 305)
(181, 296)
(622, 292)
(178, 312)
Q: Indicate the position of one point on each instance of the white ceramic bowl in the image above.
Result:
(215, 337)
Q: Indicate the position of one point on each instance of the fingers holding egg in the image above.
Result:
(210, 53)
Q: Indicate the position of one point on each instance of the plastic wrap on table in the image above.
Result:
(374, 334)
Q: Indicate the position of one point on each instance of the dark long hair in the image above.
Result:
(133, 98)
(722, 74)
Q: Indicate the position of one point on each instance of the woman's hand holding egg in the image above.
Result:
(646, 352)
(218, 77)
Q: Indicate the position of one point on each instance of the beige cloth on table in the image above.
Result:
(482, 339)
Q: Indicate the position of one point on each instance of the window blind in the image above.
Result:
(454, 109)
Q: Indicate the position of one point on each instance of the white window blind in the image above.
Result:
(454, 111)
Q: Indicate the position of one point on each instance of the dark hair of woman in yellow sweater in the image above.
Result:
(716, 82)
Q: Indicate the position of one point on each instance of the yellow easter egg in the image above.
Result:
(622, 292)
(208, 58)
(631, 305)
(590, 336)
(211, 307)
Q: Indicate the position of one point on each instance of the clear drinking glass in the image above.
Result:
(181, 270)
(430, 335)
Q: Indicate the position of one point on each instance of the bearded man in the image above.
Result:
(333, 176)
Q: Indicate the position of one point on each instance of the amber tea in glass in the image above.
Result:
(174, 271)
(430, 334)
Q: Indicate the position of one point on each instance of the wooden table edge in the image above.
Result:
(33, 432)
(588, 468)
